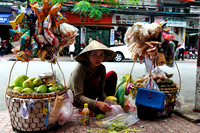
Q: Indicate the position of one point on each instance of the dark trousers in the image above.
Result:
(110, 83)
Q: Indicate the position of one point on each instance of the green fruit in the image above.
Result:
(170, 82)
(32, 79)
(25, 77)
(11, 86)
(27, 84)
(59, 86)
(18, 81)
(51, 89)
(27, 90)
(35, 89)
(17, 90)
(100, 116)
(42, 89)
(37, 82)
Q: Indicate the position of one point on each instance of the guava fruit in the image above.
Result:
(27, 90)
(59, 86)
(35, 89)
(27, 84)
(11, 86)
(32, 79)
(17, 89)
(25, 77)
(51, 89)
(18, 81)
(42, 89)
(37, 82)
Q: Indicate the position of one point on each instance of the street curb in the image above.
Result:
(187, 113)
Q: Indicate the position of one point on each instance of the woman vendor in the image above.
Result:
(89, 81)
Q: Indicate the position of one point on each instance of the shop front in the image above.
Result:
(127, 20)
(95, 28)
(176, 25)
(5, 13)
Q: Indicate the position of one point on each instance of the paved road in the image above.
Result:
(187, 69)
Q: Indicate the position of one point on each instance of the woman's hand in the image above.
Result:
(103, 106)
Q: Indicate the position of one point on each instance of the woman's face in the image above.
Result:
(96, 57)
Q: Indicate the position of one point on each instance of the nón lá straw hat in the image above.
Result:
(95, 45)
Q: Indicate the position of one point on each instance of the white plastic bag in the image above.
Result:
(23, 112)
(152, 85)
(118, 122)
(116, 109)
(65, 113)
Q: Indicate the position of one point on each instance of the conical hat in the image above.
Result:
(94, 45)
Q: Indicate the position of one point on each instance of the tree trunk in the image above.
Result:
(197, 92)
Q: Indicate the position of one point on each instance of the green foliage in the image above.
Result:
(85, 9)
(95, 12)
(40, 2)
(82, 7)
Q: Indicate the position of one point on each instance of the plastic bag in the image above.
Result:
(65, 113)
(157, 73)
(151, 85)
(179, 102)
(118, 122)
(129, 104)
(70, 96)
(23, 112)
(116, 109)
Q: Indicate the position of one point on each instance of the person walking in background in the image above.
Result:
(181, 53)
(71, 51)
(90, 40)
(97, 38)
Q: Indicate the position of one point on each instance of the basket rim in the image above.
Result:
(168, 89)
(38, 96)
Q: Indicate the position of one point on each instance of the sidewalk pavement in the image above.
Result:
(183, 120)
(173, 124)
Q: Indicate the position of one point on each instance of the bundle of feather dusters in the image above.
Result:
(142, 40)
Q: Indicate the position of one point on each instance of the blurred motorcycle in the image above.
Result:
(191, 54)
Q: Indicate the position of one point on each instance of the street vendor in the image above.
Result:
(89, 81)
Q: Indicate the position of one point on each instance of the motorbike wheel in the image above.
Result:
(193, 56)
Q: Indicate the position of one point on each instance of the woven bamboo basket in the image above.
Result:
(36, 121)
(171, 95)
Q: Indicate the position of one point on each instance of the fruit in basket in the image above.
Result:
(51, 89)
(25, 77)
(27, 90)
(18, 81)
(173, 85)
(27, 84)
(17, 89)
(159, 81)
(37, 82)
(59, 86)
(169, 82)
(11, 86)
(35, 89)
(32, 79)
(42, 89)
